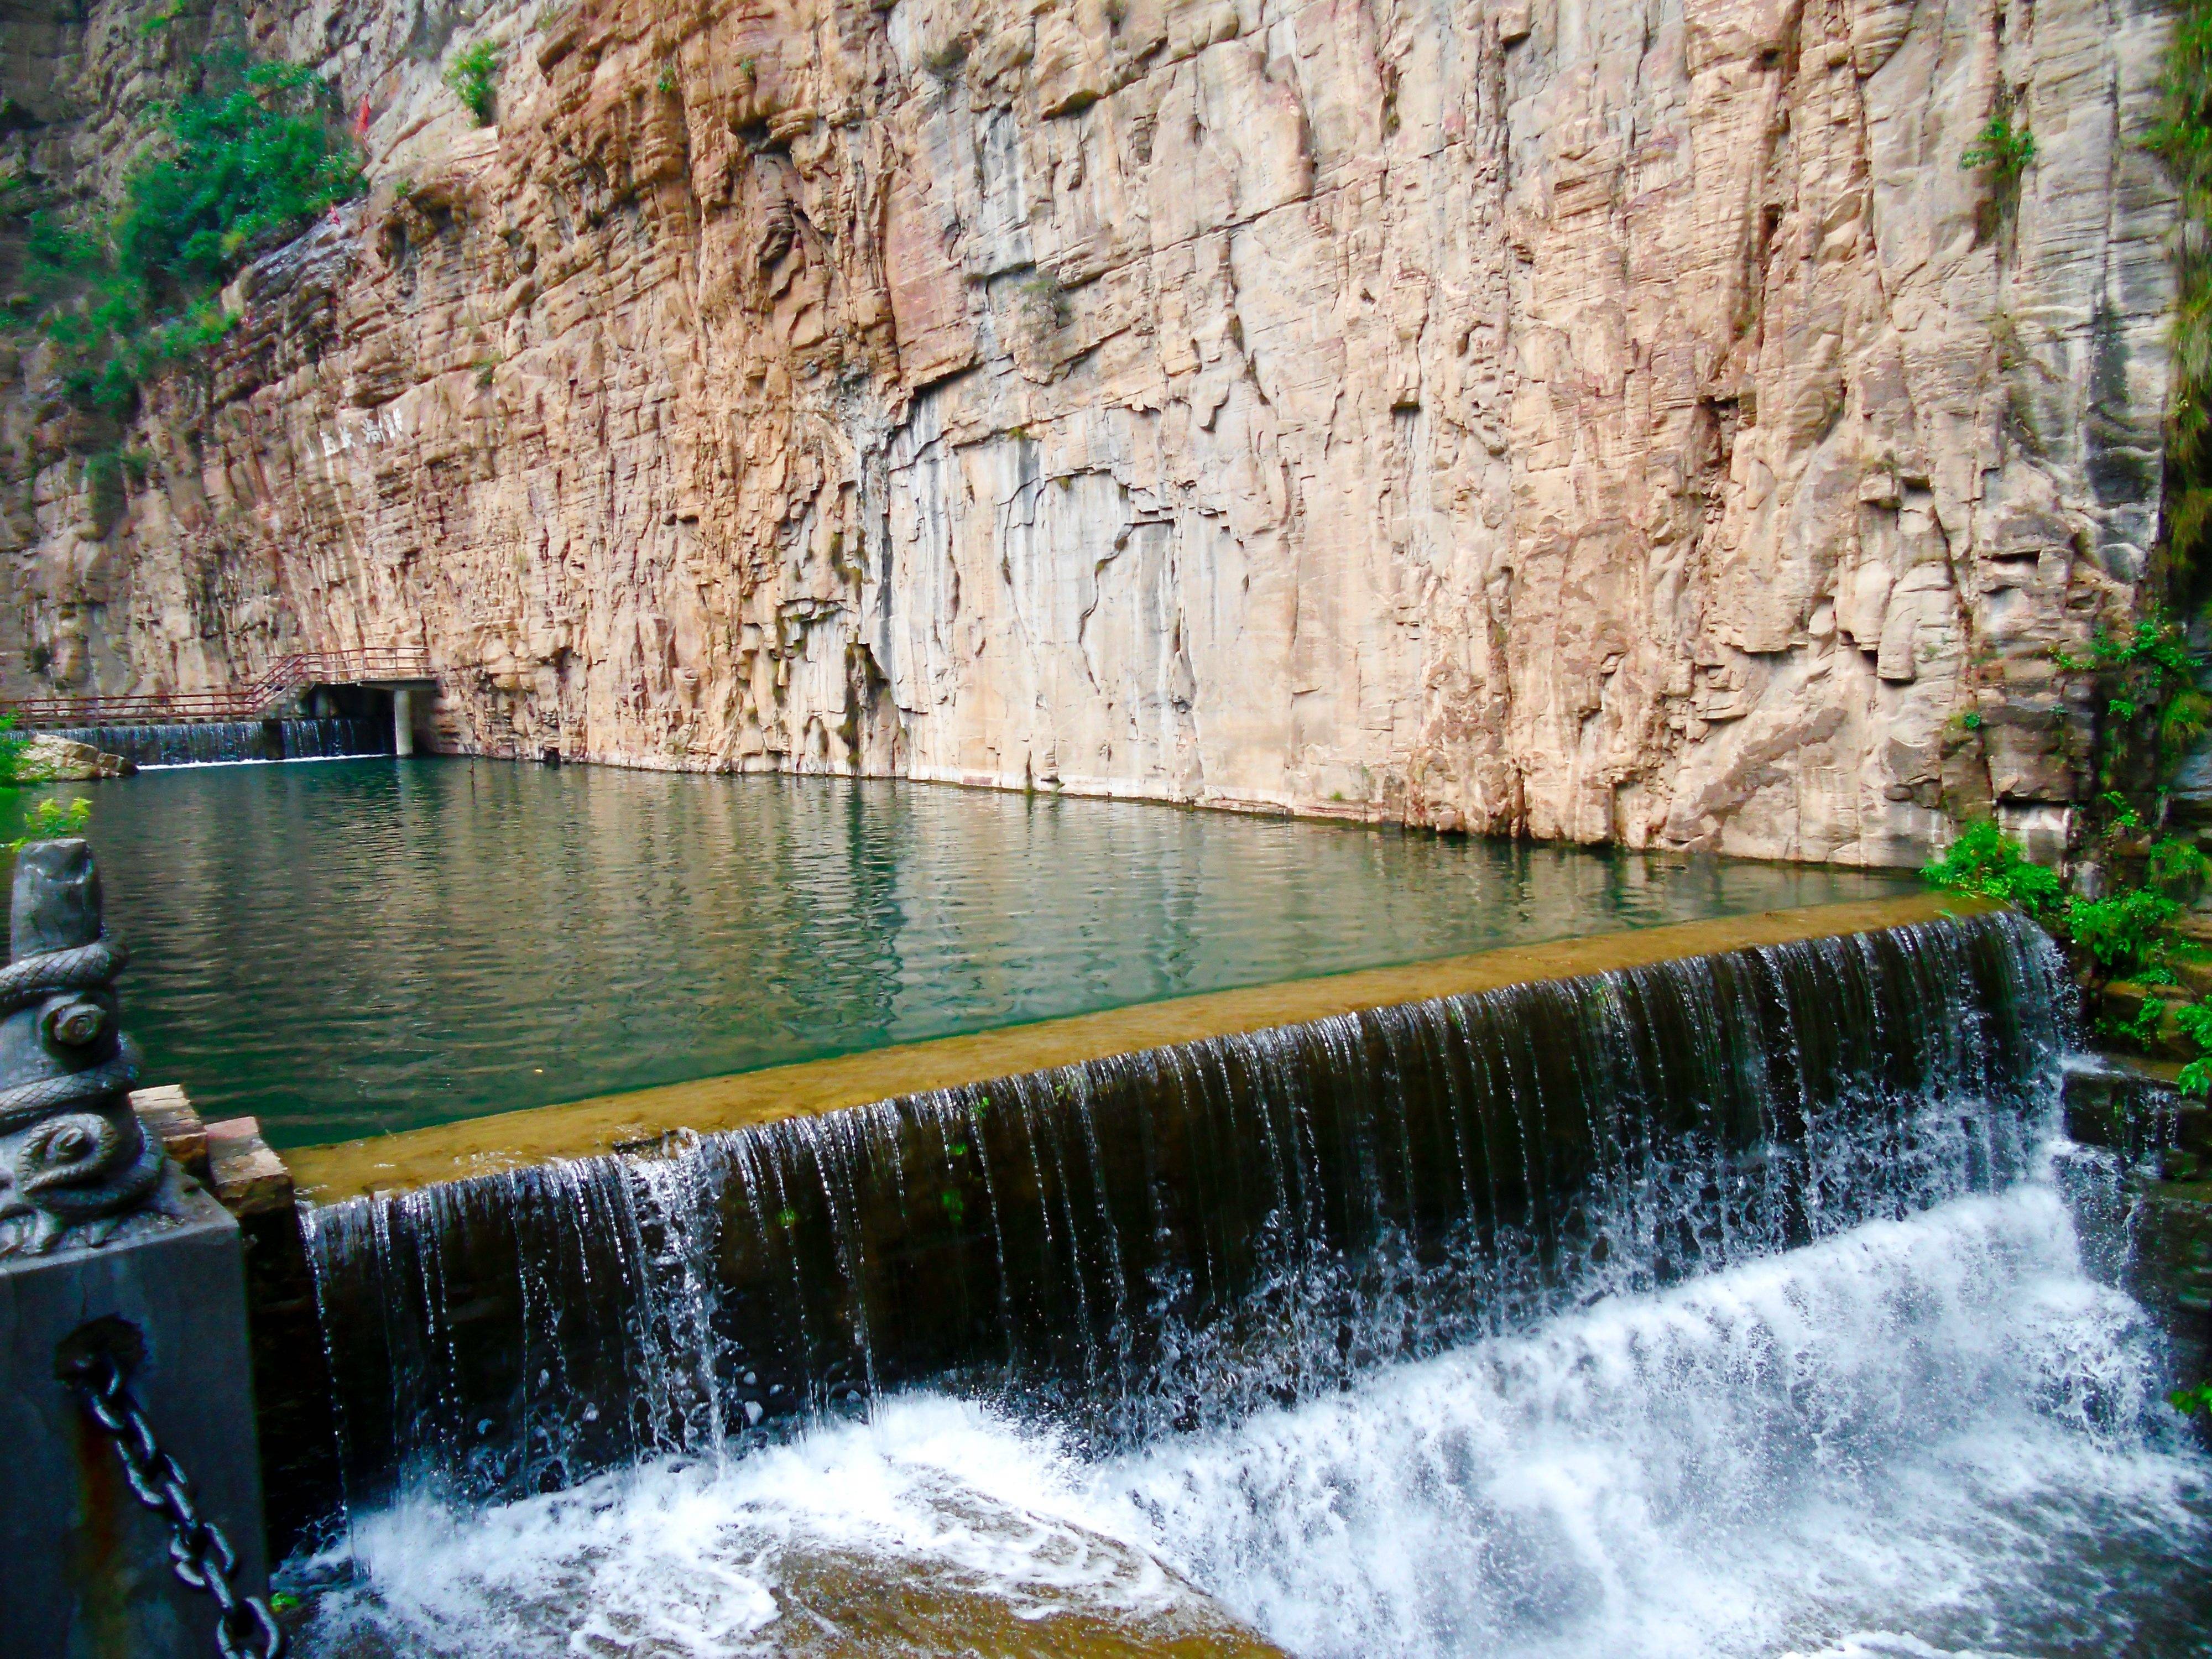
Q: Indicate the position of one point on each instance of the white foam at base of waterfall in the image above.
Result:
(1937, 1436)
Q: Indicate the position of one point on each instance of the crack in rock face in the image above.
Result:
(1611, 422)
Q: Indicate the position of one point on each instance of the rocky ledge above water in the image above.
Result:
(2132, 1109)
(48, 759)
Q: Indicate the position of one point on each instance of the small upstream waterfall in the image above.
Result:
(1162, 1247)
(210, 742)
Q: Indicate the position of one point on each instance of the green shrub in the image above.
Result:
(1985, 859)
(2178, 869)
(2143, 669)
(246, 163)
(2195, 1020)
(2121, 934)
(472, 77)
(246, 170)
(12, 745)
(2154, 642)
(52, 819)
(2005, 149)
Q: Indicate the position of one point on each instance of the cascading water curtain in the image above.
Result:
(1165, 1240)
(209, 743)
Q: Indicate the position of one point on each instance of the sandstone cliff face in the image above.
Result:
(1589, 419)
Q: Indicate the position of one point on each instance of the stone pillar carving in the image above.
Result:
(74, 1162)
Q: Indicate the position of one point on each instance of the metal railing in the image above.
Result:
(282, 678)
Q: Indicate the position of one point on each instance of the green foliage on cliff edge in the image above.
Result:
(1985, 859)
(2121, 935)
(474, 78)
(2183, 139)
(245, 162)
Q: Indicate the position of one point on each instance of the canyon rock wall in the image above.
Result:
(1594, 419)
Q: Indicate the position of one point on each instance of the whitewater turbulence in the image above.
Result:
(1931, 1436)
(1730, 1306)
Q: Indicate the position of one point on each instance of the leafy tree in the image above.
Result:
(244, 164)
(248, 169)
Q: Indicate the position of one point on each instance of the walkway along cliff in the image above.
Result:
(1593, 421)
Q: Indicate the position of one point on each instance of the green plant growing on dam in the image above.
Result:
(2120, 935)
(2195, 1020)
(2146, 682)
(245, 163)
(2123, 934)
(473, 77)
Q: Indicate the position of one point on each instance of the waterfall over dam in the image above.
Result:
(210, 743)
(1164, 1243)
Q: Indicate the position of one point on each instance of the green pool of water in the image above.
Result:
(353, 946)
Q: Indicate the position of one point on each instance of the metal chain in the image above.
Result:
(199, 1554)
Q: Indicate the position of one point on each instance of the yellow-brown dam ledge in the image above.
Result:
(449, 1151)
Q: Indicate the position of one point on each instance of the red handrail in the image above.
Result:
(252, 700)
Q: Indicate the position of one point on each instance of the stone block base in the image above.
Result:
(88, 1570)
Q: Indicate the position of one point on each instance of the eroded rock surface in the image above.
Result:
(1579, 417)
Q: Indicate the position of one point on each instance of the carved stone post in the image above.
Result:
(73, 1160)
(106, 1244)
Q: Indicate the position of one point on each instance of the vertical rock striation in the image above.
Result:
(1583, 418)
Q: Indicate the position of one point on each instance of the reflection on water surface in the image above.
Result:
(347, 947)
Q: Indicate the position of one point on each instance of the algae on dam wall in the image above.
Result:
(1573, 417)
